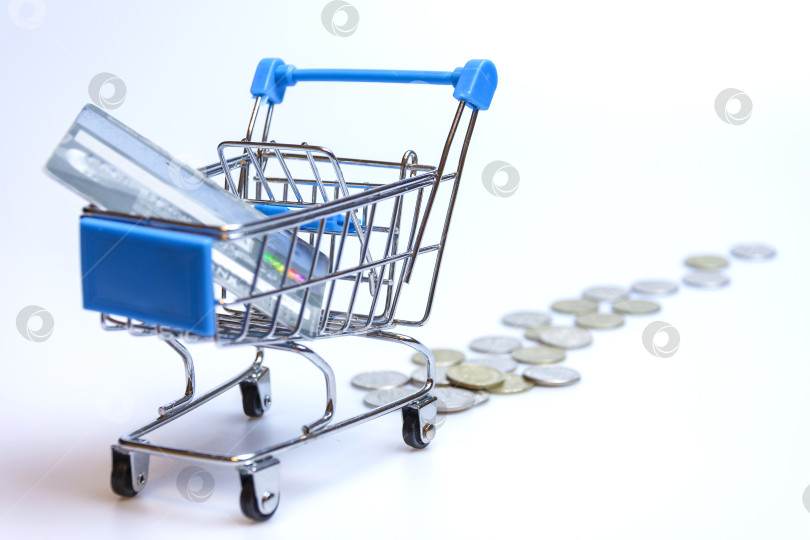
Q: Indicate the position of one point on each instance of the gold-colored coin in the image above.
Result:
(600, 321)
(512, 384)
(636, 307)
(576, 306)
(706, 262)
(443, 357)
(542, 354)
(474, 376)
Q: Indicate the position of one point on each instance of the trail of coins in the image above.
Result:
(506, 365)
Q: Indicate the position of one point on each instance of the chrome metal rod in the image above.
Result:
(454, 193)
(335, 265)
(283, 221)
(188, 367)
(432, 196)
(134, 441)
(329, 377)
(178, 412)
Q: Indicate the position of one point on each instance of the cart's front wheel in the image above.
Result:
(419, 423)
(129, 472)
(260, 490)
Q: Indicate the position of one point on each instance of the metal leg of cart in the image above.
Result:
(259, 470)
(419, 415)
(329, 377)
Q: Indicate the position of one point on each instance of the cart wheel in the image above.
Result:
(251, 400)
(129, 472)
(260, 490)
(256, 393)
(418, 424)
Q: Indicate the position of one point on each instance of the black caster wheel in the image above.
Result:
(256, 393)
(252, 402)
(129, 472)
(418, 426)
(260, 494)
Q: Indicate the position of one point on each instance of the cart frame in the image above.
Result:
(238, 323)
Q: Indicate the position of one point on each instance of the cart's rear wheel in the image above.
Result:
(417, 432)
(260, 493)
(129, 471)
(251, 399)
(256, 393)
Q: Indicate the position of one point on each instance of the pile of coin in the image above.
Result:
(462, 383)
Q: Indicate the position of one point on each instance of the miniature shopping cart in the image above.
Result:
(376, 224)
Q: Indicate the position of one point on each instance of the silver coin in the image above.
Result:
(706, 280)
(599, 321)
(575, 306)
(495, 344)
(636, 307)
(709, 263)
(526, 319)
(542, 354)
(655, 287)
(565, 337)
(605, 293)
(379, 380)
(481, 397)
(503, 364)
(420, 374)
(551, 375)
(452, 399)
(753, 252)
(378, 398)
(534, 332)
(442, 357)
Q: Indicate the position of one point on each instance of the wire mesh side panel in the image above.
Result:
(362, 239)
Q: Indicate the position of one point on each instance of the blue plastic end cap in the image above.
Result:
(157, 276)
(476, 83)
(271, 80)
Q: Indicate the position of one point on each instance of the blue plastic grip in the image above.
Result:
(474, 83)
(271, 80)
(157, 276)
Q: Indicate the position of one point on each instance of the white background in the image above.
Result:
(606, 109)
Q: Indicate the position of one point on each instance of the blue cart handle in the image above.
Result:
(474, 83)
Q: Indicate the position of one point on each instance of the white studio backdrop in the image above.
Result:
(606, 111)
